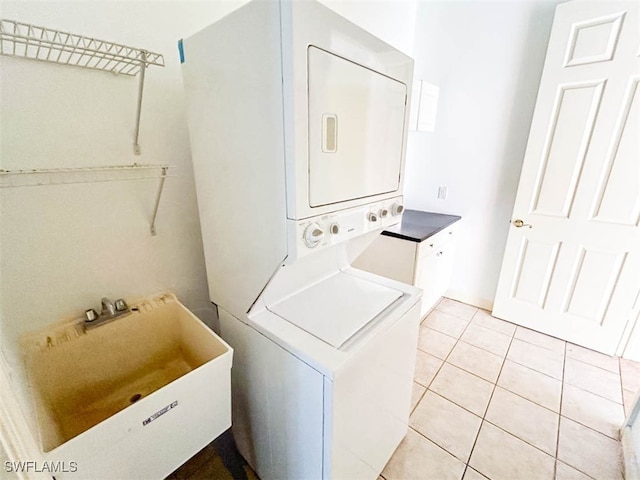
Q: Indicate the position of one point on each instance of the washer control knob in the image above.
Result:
(383, 213)
(397, 209)
(334, 229)
(372, 217)
(313, 235)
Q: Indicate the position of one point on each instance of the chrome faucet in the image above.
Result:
(110, 311)
(108, 308)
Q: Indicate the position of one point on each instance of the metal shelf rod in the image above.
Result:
(23, 40)
(143, 67)
(43, 177)
(155, 209)
(31, 171)
(79, 182)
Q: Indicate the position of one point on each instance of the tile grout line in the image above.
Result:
(444, 360)
(531, 368)
(507, 432)
(555, 457)
(426, 387)
(528, 399)
(602, 370)
(538, 345)
(518, 438)
(624, 410)
(441, 448)
(515, 326)
(513, 393)
(457, 405)
(597, 366)
(484, 349)
(466, 464)
(484, 420)
(564, 364)
(419, 400)
(487, 407)
(588, 427)
(565, 356)
(505, 389)
(504, 358)
(495, 385)
(422, 320)
(511, 433)
(467, 371)
(594, 393)
(593, 429)
(575, 421)
(576, 469)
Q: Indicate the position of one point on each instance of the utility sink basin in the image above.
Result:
(155, 380)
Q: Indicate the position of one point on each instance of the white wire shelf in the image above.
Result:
(18, 39)
(23, 40)
(66, 176)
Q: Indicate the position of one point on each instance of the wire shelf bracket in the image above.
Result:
(66, 176)
(23, 40)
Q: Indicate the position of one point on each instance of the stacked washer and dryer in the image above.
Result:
(298, 125)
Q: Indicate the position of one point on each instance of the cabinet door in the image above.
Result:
(433, 272)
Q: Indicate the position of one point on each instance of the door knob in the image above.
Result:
(520, 223)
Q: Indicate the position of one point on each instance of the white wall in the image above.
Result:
(393, 21)
(486, 57)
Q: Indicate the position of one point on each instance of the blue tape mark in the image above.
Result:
(181, 50)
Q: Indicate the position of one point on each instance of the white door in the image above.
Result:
(356, 129)
(573, 269)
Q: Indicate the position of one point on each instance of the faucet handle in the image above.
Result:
(108, 307)
(90, 315)
(121, 305)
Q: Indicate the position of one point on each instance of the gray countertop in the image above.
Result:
(417, 226)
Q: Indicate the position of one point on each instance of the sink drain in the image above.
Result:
(135, 398)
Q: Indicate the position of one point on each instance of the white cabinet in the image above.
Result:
(427, 264)
(434, 266)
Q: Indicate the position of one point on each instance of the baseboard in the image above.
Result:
(631, 471)
(469, 299)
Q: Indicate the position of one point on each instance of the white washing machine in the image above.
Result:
(298, 124)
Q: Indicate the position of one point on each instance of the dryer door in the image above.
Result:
(356, 128)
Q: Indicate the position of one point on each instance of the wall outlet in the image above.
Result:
(442, 192)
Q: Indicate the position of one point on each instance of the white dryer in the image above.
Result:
(298, 125)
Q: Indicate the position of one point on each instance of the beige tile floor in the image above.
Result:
(494, 400)
(498, 401)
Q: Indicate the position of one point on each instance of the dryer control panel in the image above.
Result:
(316, 233)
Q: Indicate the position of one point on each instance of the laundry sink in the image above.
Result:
(118, 385)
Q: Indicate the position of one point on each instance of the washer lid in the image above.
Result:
(336, 308)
